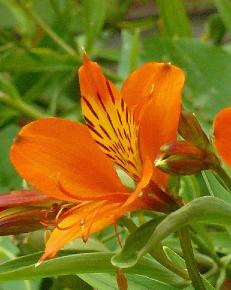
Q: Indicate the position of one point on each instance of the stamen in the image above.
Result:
(64, 191)
(72, 210)
(64, 207)
(118, 196)
(91, 222)
(117, 235)
(67, 227)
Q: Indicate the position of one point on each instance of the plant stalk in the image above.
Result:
(20, 106)
(224, 176)
(187, 250)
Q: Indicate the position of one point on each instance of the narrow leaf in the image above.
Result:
(135, 242)
(224, 9)
(24, 267)
(174, 17)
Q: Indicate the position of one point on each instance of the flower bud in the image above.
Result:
(190, 130)
(19, 220)
(22, 211)
(183, 158)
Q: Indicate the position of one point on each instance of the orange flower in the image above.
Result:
(76, 163)
(222, 134)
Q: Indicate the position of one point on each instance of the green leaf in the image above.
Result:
(174, 257)
(189, 188)
(95, 13)
(215, 29)
(207, 285)
(215, 188)
(24, 267)
(129, 52)
(135, 242)
(24, 23)
(8, 88)
(224, 9)
(9, 179)
(221, 242)
(135, 282)
(69, 282)
(37, 60)
(8, 250)
(206, 209)
(174, 17)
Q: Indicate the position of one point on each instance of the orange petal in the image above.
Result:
(160, 86)
(145, 179)
(85, 220)
(76, 225)
(60, 158)
(222, 134)
(110, 122)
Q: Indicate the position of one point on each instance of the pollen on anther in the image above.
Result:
(141, 194)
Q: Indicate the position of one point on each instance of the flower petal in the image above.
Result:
(110, 122)
(80, 223)
(85, 220)
(145, 179)
(160, 86)
(222, 134)
(60, 158)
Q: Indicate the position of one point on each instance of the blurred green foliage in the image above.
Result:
(41, 43)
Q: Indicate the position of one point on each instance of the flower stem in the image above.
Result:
(20, 106)
(158, 254)
(187, 250)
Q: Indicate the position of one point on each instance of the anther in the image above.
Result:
(84, 238)
(141, 194)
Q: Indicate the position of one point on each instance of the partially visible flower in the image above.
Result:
(76, 163)
(22, 211)
(222, 134)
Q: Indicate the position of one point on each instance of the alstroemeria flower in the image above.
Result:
(222, 134)
(76, 163)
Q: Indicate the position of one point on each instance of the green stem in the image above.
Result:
(187, 250)
(142, 24)
(224, 176)
(158, 254)
(53, 35)
(20, 106)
